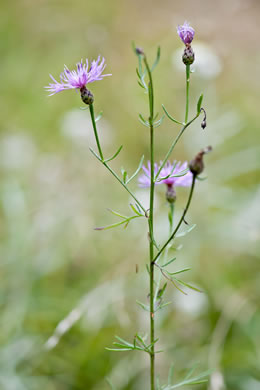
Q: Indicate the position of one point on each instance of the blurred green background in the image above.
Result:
(67, 289)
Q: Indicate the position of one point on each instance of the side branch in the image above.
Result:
(180, 221)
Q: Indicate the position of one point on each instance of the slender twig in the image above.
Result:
(91, 107)
(180, 221)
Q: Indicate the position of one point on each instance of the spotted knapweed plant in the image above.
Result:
(168, 173)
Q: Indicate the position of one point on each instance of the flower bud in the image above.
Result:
(170, 194)
(139, 51)
(86, 96)
(188, 55)
(203, 124)
(197, 165)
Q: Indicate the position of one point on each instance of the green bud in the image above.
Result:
(188, 55)
(86, 96)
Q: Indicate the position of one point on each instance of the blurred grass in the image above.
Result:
(53, 192)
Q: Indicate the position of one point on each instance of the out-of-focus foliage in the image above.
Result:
(66, 289)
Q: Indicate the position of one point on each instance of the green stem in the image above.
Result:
(187, 92)
(180, 221)
(151, 212)
(171, 214)
(92, 114)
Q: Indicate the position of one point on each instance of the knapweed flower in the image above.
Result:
(79, 78)
(171, 182)
(186, 33)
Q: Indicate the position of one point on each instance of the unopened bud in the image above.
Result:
(197, 165)
(170, 194)
(86, 96)
(139, 51)
(188, 55)
(203, 124)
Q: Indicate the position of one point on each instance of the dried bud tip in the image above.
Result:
(139, 51)
(86, 96)
(197, 165)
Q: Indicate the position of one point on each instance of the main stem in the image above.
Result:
(187, 93)
(151, 253)
(151, 243)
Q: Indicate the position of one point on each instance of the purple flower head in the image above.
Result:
(79, 78)
(186, 33)
(169, 169)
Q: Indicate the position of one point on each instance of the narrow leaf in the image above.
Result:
(161, 292)
(170, 374)
(136, 211)
(199, 103)
(114, 155)
(171, 117)
(187, 285)
(178, 272)
(182, 234)
(124, 341)
(169, 262)
(117, 214)
(110, 226)
(99, 116)
(157, 59)
(118, 349)
(143, 306)
(137, 171)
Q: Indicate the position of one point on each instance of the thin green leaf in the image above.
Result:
(124, 177)
(118, 349)
(157, 59)
(121, 345)
(158, 386)
(170, 374)
(123, 341)
(161, 291)
(199, 103)
(114, 155)
(137, 171)
(163, 305)
(193, 381)
(158, 123)
(117, 214)
(136, 211)
(177, 272)
(141, 85)
(99, 116)
(169, 262)
(187, 285)
(182, 234)
(171, 117)
(143, 121)
(110, 226)
(143, 306)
